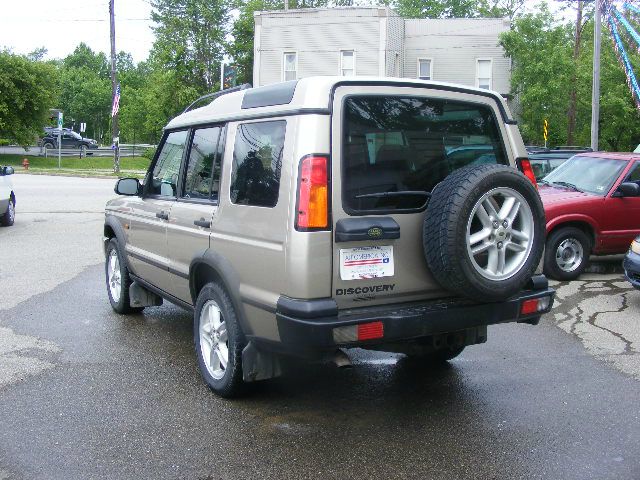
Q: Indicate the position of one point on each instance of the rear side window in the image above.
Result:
(164, 178)
(397, 148)
(203, 170)
(257, 161)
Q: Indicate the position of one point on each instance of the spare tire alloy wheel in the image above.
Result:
(483, 232)
(500, 233)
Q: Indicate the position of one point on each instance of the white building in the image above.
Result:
(377, 41)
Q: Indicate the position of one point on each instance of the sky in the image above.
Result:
(61, 25)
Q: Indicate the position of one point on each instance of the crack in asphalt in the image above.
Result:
(573, 311)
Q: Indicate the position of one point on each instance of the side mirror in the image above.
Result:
(128, 186)
(7, 171)
(629, 189)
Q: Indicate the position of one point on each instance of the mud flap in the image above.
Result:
(258, 364)
(141, 297)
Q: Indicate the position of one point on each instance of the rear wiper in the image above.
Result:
(406, 193)
(568, 185)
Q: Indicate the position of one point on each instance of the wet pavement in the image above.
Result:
(86, 393)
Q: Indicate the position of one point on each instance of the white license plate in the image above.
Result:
(366, 262)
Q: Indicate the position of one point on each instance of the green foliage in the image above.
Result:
(77, 163)
(543, 76)
(85, 91)
(28, 91)
(436, 8)
(190, 40)
(541, 51)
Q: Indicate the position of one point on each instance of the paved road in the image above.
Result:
(85, 393)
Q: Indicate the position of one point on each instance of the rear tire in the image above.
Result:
(566, 254)
(484, 232)
(218, 341)
(49, 146)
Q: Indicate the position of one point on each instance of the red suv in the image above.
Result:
(592, 205)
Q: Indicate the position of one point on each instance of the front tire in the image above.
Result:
(566, 254)
(118, 280)
(218, 341)
(49, 146)
(9, 217)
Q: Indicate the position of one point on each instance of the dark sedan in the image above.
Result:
(631, 264)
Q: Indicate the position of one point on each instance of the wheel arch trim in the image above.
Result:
(111, 223)
(221, 270)
(583, 222)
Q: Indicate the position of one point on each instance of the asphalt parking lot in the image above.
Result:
(85, 393)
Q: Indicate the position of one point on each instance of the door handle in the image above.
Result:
(202, 223)
(163, 215)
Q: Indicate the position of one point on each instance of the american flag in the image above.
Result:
(116, 102)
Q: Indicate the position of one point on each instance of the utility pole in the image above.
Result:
(115, 131)
(595, 93)
(573, 100)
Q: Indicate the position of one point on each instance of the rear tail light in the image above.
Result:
(535, 305)
(358, 333)
(313, 193)
(525, 167)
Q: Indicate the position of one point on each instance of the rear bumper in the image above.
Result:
(631, 264)
(309, 325)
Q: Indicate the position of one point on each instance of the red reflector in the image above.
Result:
(525, 166)
(369, 331)
(529, 306)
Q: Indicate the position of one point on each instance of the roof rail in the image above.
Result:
(215, 95)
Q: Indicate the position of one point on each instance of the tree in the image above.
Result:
(190, 40)
(243, 31)
(436, 8)
(541, 55)
(85, 93)
(28, 92)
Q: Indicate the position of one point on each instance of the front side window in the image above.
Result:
(588, 174)
(397, 148)
(484, 74)
(257, 161)
(203, 169)
(424, 68)
(634, 176)
(347, 63)
(290, 66)
(164, 177)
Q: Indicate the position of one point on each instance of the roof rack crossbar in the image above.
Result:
(215, 95)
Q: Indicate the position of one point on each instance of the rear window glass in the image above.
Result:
(257, 161)
(397, 148)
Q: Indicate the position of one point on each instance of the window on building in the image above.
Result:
(424, 69)
(257, 161)
(164, 178)
(203, 169)
(483, 75)
(347, 63)
(290, 66)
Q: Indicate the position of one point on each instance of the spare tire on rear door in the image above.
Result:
(484, 232)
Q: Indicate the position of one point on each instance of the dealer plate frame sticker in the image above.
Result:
(362, 263)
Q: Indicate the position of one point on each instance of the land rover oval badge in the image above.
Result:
(374, 232)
